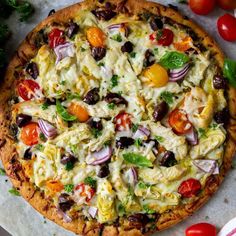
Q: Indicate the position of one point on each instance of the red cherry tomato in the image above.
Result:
(27, 88)
(179, 122)
(122, 121)
(30, 134)
(163, 37)
(202, 7)
(189, 188)
(85, 191)
(56, 37)
(227, 4)
(201, 229)
(227, 27)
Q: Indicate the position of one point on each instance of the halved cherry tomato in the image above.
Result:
(55, 186)
(27, 88)
(96, 37)
(122, 121)
(30, 134)
(56, 37)
(163, 37)
(227, 4)
(201, 229)
(227, 27)
(202, 7)
(85, 191)
(157, 75)
(179, 122)
(189, 188)
(80, 112)
(183, 45)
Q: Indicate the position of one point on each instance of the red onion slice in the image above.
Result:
(64, 50)
(178, 74)
(65, 217)
(132, 176)
(93, 211)
(192, 137)
(47, 129)
(142, 133)
(207, 166)
(100, 156)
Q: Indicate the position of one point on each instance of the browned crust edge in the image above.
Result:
(37, 199)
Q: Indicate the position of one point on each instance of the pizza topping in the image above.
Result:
(168, 159)
(63, 112)
(96, 37)
(98, 53)
(115, 98)
(68, 159)
(92, 97)
(156, 23)
(100, 157)
(162, 37)
(149, 58)
(56, 37)
(47, 129)
(189, 188)
(32, 70)
(83, 192)
(22, 120)
(104, 171)
(27, 154)
(106, 14)
(178, 74)
(222, 117)
(192, 136)
(122, 121)
(230, 71)
(72, 30)
(184, 45)
(219, 82)
(27, 89)
(54, 186)
(127, 47)
(78, 111)
(124, 142)
(137, 159)
(64, 50)
(93, 211)
(30, 134)
(95, 123)
(65, 202)
(208, 166)
(160, 111)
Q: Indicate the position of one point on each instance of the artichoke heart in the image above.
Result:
(174, 172)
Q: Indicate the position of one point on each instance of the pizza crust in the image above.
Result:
(9, 156)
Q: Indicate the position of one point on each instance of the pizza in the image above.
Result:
(116, 118)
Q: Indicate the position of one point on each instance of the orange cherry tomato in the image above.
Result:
(179, 122)
(55, 186)
(80, 112)
(30, 134)
(201, 229)
(85, 191)
(27, 88)
(96, 37)
(189, 188)
(122, 121)
(183, 45)
(157, 75)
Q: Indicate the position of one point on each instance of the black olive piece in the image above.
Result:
(106, 14)
(160, 111)
(127, 47)
(27, 154)
(219, 82)
(115, 98)
(67, 157)
(51, 12)
(92, 97)
(22, 120)
(108, 5)
(51, 101)
(168, 159)
(73, 29)
(98, 53)
(222, 117)
(104, 171)
(156, 23)
(32, 70)
(148, 58)
(124, 142)
(65, 202)
(138, 220)
(41, 38)
(95, 124)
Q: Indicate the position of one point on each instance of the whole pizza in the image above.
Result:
(116, 118)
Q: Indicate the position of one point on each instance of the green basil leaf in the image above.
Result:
(137, 159)
(90, 181)
(63, 112)
(2, 171)
(14, 192)
(167, 97)
(174, 60)
(230, 71)
(69, 188)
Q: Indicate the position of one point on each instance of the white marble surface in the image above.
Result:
(20, 219)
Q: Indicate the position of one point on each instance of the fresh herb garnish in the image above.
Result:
(96, 133)
(159, 139)
(71, 96)
(138, 142)
(69, 166)
(202, 133)
(2, 171)
(63, 82)
(121, 209)
(100, 64)
(39, 147)
(14, 192)
(69, 188)
(111, 106)
(63, 112)
(42, 137)
(82, 49)
(132, 54)
(143, 185)
(117, 37)
(155, 50)
(229, 71)
(137, 159)
(108, 143)
(214, 126)
(45, 106)
(114, 81)
(134, 128)
(147, 209)
(90, 181)
(167, 97)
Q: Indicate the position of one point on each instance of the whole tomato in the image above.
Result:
(227, 4)
(202, 7)
(201, 229)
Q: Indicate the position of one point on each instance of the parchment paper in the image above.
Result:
(20, 219)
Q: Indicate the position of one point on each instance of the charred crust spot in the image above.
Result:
(2, 142)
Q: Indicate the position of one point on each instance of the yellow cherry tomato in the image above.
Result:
(157, 75)
(96, 37)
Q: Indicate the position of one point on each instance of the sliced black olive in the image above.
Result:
(219, 82)
(51, 12)
(104, 171)
(68, 158)
(73, 29)
(32, 70)
(222, 117)
(156, 23)
(95, 123)
(28, 154)
(41, 38)
(22, 120)
(160, 111)
(98, 53)
(105, 14)
(92, 97)
(138, 220)
(148, 58)
(127, 47)
(168, 159)
(124, 142)
(115, 98)
(65, 202)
